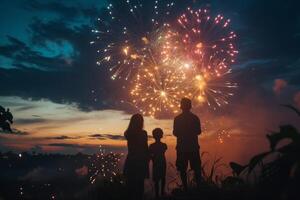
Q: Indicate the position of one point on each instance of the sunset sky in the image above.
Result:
(63, 102)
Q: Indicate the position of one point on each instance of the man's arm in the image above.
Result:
(175, 128)
(198, 126)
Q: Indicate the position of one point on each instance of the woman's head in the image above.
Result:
(136, 123)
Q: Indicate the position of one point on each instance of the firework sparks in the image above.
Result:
(104, 165)
(123, 34)
(222, 135)
(208, 41)
(204, 48)
(157, 88)
(214, 91)
(167, 59)
(218, 128)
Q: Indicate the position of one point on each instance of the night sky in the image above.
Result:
(63, 102)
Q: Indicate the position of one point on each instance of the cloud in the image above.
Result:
(251, 63)
(63, 11)
(107, 136)
(37, 149)
(114, 137)
(52, 7)
(19, 132)
(24, 56)
(64, 137)
(40, 77)
(279, 85)
(15, 132)
(21, 121)
(66, 145)
(97, 136)
(23, 108)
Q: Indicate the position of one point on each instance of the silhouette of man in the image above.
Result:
(187, 128)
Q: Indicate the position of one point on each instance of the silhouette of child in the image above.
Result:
(157, 154)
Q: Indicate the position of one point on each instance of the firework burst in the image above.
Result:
(207, 41)
(124, 31)
(104, 165)
(158, 87)
(213, 91)
(204, 47)
(166, 59)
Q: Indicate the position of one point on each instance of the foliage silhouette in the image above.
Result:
(6, 119)
(273, 174)
(280, 176)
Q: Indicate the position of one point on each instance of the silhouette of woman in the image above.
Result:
(136, 167)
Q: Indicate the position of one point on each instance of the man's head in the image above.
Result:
(185, 104)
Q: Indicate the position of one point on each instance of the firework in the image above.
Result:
(218, 128)
(207, 41)
(125, 29)
(214, 91)
(104, 165)
(204, 48)
(157, 88)
(160, 83)
(172, 72)
(222, 135)
(166, 59)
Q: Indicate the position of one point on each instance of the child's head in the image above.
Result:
(157, 134)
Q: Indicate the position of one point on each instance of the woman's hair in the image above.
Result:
(136, 124)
